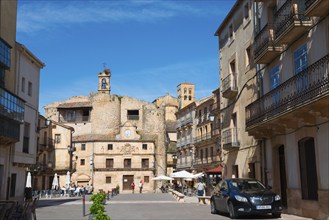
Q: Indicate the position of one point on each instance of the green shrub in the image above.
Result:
(101, 216)
(96, 207)
(98, 198)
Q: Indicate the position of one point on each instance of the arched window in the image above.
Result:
(307, 164)
(103, 83)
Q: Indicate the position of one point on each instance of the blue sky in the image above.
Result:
(150, 46)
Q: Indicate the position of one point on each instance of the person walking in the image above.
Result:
(200, 187)
(133, 187)
(140, 186)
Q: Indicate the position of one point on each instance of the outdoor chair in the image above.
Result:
(7, 209)
(20, 213)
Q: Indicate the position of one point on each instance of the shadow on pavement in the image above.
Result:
(54, 202)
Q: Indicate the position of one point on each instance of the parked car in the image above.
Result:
(238, 196)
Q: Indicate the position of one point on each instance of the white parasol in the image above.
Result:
(28, 180)
(55, 182)
(68, 179)
(162, 177)
(182, 175)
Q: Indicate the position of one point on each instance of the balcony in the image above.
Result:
(11, 116)
(318, 8)
(202, 138)
(290, 23)
(264, 48)
(76, 119)
(230, 138)
(229, 87)
(303, 96)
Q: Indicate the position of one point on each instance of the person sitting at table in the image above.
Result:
(77, 191)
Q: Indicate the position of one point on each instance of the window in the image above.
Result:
(246, 11)
(231, 32)
(252, 170)
(235, 171)
(185, 91)
(133, 115)
(23, 84)
(26, 138)
(57, 138)
(212, 153)
(103, 83)
(110, 147)
(207, 155)
(82, 162)
(144, 146)
(109, 163)
(300, 59)
(300, 63)
(275, 82)
(146, 179)
(29, 91)
(189, 91)
(189, 98)
(127, 163)
(145, 163)
(4, 54)
(83, 147)
(185, 97)
(13, 184)
(85, 115)
(2, 77)
(308, 174)
(108, 179)
(248, 56)
(232, 66)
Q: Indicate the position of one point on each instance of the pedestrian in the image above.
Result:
(200, 186)
(140, 186)
(133, 187)
(87, 189)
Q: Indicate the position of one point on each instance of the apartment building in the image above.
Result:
(19, 99)
(54, 154)
(241, 153)
(118, 139)
(185, 127)
(290, 114)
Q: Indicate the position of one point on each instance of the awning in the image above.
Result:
(215, 170)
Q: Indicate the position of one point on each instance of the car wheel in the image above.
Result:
(231, 210)
(276, 215)
(213, 209)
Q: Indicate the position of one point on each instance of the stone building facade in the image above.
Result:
(19, 100)
(291, 110)
(118, 139)
(240, 152)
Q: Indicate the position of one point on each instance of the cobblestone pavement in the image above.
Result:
(147, 206)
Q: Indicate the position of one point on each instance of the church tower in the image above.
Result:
(185, 93)
(104, 81)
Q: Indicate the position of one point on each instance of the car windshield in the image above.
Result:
(246, 185)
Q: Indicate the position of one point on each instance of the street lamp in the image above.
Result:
(211, 116)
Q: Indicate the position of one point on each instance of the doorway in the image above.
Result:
(127, 180)
(283, 179)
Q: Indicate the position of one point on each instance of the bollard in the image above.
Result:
(83, 203)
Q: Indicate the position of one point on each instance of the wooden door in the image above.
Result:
(127, 180)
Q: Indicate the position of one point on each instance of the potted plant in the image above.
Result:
(97, 208)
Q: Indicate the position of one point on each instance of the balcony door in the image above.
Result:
(275, 82)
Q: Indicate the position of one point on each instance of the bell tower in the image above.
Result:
(104, 85)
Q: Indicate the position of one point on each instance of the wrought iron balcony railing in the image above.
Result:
(263, 39)
(229, 86)
(230, 137)
(303, 88)
(203, 137)
(288, 13)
